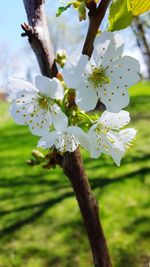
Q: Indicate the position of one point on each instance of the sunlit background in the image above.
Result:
(40, 223)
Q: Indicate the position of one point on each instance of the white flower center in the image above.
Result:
(101, 128)
(98, 77)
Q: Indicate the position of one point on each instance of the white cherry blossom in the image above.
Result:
(105, 136)
(106, 76)
(67, 140)
(35, 105)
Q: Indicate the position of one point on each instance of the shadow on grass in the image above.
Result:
(56, 184)
(140, 225)
(33, 190)
(130, 159)
(44, 206)
(102, 182)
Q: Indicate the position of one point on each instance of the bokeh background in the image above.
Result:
(40, 222)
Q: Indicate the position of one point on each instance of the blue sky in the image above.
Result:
(12, 45)
(12, 14)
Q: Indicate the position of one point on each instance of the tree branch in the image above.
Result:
(96, 16)
(73, 168)
(138, 29)
(72, 164)
(39, 37)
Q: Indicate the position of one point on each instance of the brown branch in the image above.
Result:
(73, 168)
(39, 37)
(72, 164)
(96, 16)
(138, 29)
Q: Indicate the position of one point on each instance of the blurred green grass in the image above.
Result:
(40, 223)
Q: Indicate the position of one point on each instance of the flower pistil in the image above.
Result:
(98, 77)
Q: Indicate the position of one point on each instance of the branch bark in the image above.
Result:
(96, 16)
(39, 37)
(138, 29)
(72, 164)
(73, 168)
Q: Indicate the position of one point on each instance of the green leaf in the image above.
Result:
(138, 6)
(119, 15)
(61, 9)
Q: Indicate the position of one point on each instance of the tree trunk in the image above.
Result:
(138, 30)
(37, 31)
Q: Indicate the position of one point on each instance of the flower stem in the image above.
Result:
(84, 115)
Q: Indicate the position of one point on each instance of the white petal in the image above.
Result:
(113, 98)
(50, 87)
(80, 135)
(128, 63)
(102, 38)
(127, 135)
(26, 95)
(108, 143)
(95, 153)
(115, 146)
(62, 141)
(109, 36)
(106, 49)
(74, 70)
(123, 74)
(95, 147)
(59, 119)
(119, 44)
(16, 85)
(114, 120)
(41, 122)
(71, 143)
(120, 142)
(21, 112)
(47, 141)
(86, 97)
(119, 40)
(66, 142)
(117, 155)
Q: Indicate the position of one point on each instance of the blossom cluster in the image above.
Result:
(45, 106)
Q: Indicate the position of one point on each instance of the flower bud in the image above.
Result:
(37, 154)
(61, 57)
(82, 11)
(76, 4)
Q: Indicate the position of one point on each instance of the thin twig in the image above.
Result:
(96, 16)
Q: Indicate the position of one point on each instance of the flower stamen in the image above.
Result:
(98, 77)
(45, 102)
